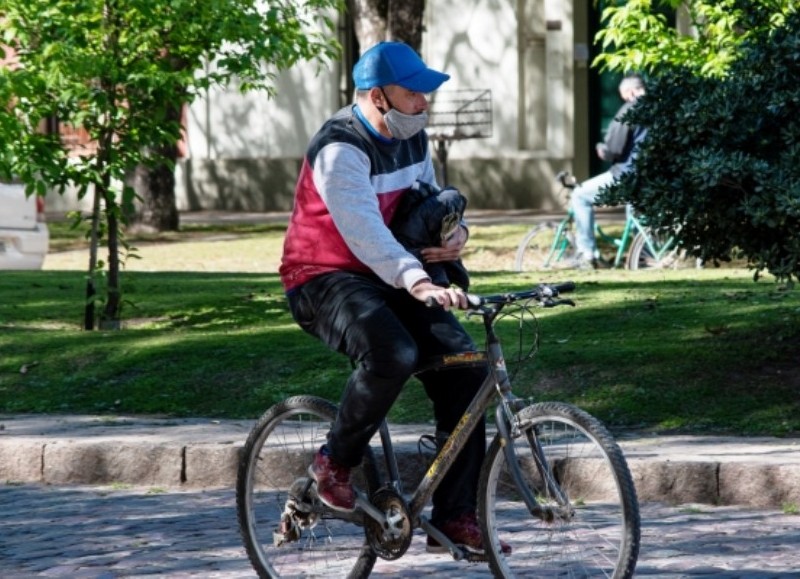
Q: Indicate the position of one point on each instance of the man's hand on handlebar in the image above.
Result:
(427, 292)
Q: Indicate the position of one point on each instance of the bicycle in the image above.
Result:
(554, 483)
(548, 244)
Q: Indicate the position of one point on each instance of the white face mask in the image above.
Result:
(403, 126)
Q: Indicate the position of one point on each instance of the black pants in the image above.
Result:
(387, 333)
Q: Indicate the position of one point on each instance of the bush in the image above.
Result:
(720, 160)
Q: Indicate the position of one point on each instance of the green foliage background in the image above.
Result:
(719, 163)
(122, 70)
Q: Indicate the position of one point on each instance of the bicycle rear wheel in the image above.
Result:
(287, 532)
(543, 246)
(657, 251)
(595, 527)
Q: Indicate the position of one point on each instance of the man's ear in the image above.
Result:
(378, 98)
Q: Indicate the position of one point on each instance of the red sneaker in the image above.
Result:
(333, 483)
(466, 534)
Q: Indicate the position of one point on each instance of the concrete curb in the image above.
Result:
(201, 453)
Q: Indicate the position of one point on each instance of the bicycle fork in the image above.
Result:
(508, 428)
(560, 244)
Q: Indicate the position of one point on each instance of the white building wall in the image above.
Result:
(523, 51)
(228, 124)
(559, 64)
(245, 149)
(475, 42)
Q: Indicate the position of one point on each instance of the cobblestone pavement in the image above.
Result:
(107, 532)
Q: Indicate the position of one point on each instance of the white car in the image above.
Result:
(24, 237)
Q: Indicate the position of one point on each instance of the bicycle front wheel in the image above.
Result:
(653, 250)
(543, 246)
(287, 532)
(590, 523)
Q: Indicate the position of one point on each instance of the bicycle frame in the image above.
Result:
(660, 252)
(561, 240)
(633, 225)
(497, 383)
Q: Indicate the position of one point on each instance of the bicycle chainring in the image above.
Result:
(389, 541)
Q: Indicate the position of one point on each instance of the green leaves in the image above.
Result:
(720, 158)
(120, 69)
(636, 36)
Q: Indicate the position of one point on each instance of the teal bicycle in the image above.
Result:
(550, 244)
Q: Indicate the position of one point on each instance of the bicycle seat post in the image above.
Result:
(390, 458)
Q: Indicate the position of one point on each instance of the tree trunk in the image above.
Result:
(378, 20)
(155, 186)
(404, 22)
(112, 311)
(94, 243)
(369, 21)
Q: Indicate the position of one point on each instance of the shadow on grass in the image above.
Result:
(716, 354)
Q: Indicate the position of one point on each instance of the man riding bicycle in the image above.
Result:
(351, 284)
(618, 148)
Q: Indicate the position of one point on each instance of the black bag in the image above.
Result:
(427, 217)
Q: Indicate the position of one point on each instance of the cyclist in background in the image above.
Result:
(351, 284)
(618, 148)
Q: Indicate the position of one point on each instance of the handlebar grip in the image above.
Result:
(473, 301)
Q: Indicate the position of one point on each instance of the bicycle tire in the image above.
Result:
(600, 539)
(662, 253)
(543, 246)
(272, 470)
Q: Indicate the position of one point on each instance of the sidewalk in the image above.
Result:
(202, 453)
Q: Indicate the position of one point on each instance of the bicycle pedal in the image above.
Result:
(475, 558)
(457, 553)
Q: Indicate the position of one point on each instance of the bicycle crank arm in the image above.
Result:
(441, 538)
(363, 503)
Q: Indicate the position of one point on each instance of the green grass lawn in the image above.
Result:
(690, 351)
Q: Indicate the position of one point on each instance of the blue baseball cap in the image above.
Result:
(395, 63)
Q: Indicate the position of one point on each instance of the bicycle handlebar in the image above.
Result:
(545, 294)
